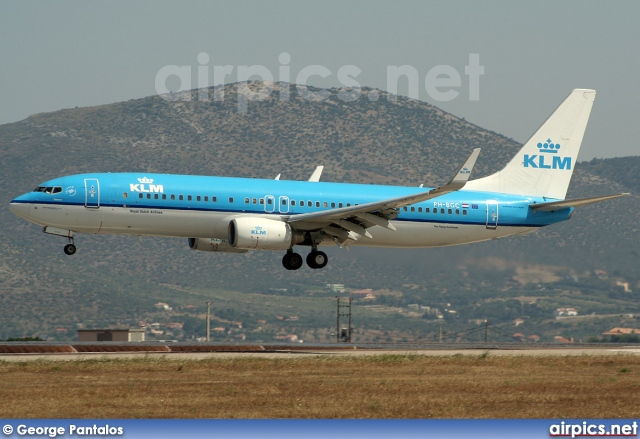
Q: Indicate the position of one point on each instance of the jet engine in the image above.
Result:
(262, 233)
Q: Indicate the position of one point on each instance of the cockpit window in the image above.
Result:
(48, 189)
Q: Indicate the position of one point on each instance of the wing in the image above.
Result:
(351, 222)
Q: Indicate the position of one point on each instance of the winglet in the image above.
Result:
(462, 176)
(316, 174)
(277, 177)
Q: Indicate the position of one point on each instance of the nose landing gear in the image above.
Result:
(69, 249)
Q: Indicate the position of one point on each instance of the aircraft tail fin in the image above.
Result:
(544, 165)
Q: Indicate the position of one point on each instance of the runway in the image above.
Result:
(199, 351)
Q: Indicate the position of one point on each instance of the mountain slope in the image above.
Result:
(404, 142)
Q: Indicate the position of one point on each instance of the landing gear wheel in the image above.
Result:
(292, 261)
(317, 259)
(69, 249)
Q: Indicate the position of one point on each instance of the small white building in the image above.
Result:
(335, 288)
(565, 312)
(127, 335)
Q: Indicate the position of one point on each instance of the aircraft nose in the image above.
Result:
(20, 209)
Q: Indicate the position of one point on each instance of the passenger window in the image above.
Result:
(254, 201)
(261, 200)
(155, 196)
(230, 199)
(173, 197)
(317, 203)
(348, 204)
(435, 210)
(246, 200)
(284, 201)
(198, 198)
(325, 204)
(442, 211)
(310, 204)
(180, 197)
(140, 195)
(464, 212)
(206, 198)
(449, 212)
(457, 211)
(214, 199)
(339, 204)
(405, 208)
(420, 209)
(413, 209)
(293, 202)
(427, 210)
(148, 196)
(333, 204)
(125, 195)
(189, 197)
(269, 201)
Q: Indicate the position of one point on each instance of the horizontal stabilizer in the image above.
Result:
(565, 204)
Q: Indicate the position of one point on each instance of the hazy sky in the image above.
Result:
(63, 54)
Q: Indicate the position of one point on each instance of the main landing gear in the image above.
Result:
(315, 259)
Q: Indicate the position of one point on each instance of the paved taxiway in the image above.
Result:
(599, 351)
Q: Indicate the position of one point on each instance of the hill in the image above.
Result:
(402, 142)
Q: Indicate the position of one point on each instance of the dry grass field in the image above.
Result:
(389, 386)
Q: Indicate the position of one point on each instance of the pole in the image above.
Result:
(208, 320)
(338, 320)
(349, 336)
(486, 329)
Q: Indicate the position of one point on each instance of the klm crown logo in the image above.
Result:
(541, 161)
(549, 147)
(145, 180)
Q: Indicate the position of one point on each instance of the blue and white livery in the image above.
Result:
(220, 214)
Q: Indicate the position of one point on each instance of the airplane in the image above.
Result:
(227, 214)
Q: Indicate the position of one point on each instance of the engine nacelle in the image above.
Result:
(213, 245)
(261, 233)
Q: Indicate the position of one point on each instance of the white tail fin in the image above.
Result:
(544, 165)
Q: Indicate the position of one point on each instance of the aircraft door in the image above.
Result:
(492, 214)
(91, 193)
(283, 204)
(269, 203)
